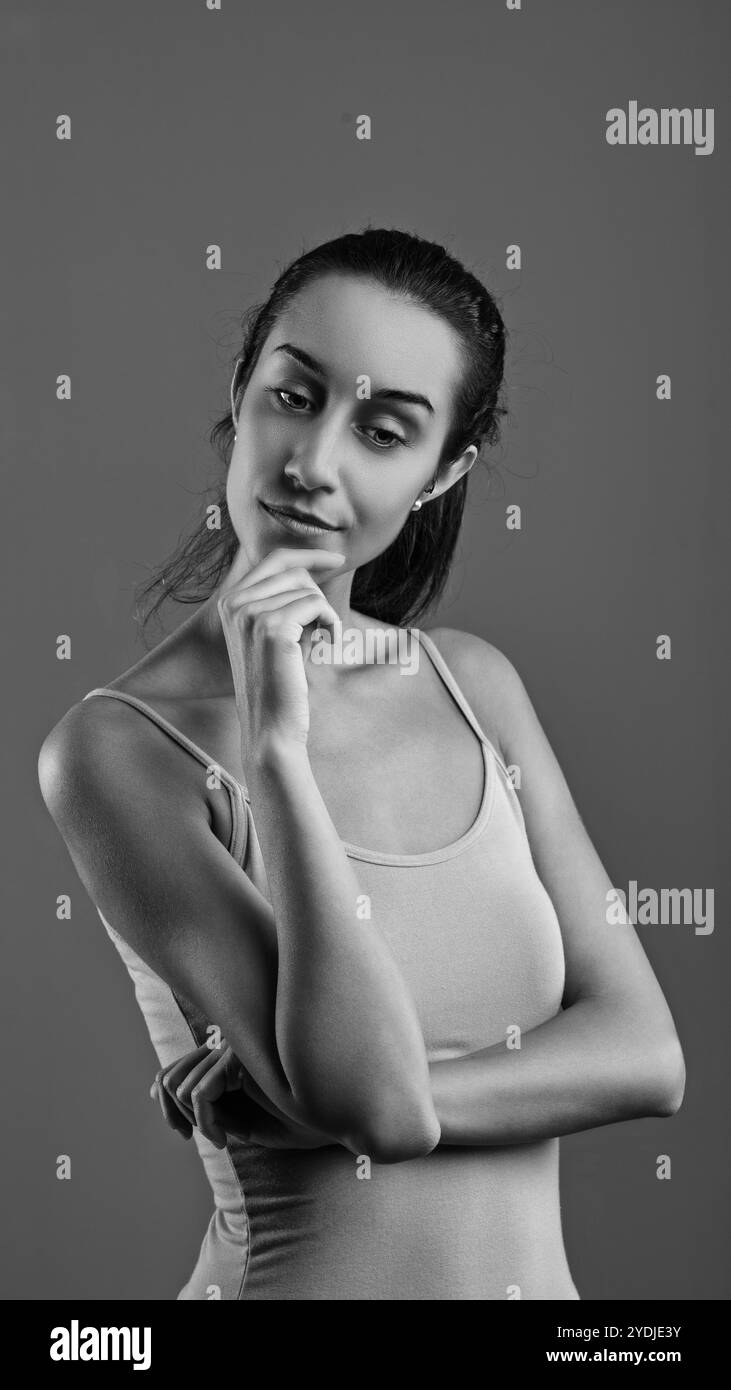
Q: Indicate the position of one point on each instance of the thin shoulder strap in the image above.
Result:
(457, 694)
(177, 734)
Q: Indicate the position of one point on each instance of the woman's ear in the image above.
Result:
(232, 391)
(453, 472)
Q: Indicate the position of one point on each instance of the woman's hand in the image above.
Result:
(264, 615)
(210, 1089)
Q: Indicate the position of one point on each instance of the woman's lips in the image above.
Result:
(299, 525)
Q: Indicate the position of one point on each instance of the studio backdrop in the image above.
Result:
(164, 162)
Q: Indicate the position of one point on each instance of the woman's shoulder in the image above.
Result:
(102, 733)
(93, 744)
(474, 658)
(485, 674)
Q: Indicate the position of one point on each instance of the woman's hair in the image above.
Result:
(399, 585)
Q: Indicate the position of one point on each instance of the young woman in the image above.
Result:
(379, 983)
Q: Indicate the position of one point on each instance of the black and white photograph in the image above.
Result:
(366, 578)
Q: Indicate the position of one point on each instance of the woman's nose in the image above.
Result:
(315, 463)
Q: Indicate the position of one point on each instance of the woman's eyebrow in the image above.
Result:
(386, 394)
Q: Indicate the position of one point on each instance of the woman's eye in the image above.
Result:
(391, 439)
(280, 392)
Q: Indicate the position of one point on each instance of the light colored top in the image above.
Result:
(478, 942)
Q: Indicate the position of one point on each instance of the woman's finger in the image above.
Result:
(214, 1084)
(303, 609)
(295, 578)
(186, 1083)
(285, 557)
(170, 1077)
(171, 1112)
(167, 1102)
(155, 1095)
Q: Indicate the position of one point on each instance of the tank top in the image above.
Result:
(478, 942)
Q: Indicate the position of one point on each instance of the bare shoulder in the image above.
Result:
(101, 748)
(488, 678)
(474, 657)
(101, 738)
(74, 745)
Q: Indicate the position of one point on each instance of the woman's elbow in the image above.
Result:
(389, 1130)
(674, 1082)
(393, 1132)
(397, 1142)
(667, 1083)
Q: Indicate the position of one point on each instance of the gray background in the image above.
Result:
(191, 127)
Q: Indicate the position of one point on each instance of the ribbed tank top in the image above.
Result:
(478, 942)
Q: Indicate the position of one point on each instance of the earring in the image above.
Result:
(417, 505)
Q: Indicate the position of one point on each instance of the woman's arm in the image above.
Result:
(347, 1028)
(586, 1067)
(613, 1052)
(138, 831)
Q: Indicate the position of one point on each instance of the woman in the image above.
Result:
(378, 984)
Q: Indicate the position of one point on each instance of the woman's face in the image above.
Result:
(325, 428)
